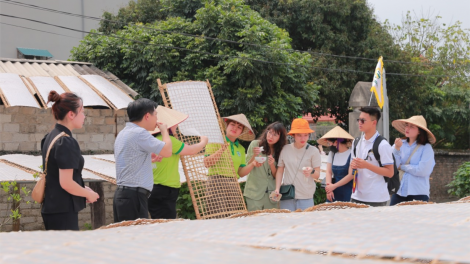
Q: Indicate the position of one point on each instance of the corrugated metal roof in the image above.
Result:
(35, 52)
(37, 77)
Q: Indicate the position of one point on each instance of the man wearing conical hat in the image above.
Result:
(338, 177)
(166, 177)
(415, 159)
(298, 168)
(220, 190)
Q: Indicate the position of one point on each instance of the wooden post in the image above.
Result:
(98, 213)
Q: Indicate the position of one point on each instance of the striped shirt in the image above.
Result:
(132, 150)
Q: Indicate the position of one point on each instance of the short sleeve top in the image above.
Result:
(65, 154)
(235, 151)
(166, 173)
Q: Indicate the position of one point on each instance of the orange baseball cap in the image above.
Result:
(300, 126)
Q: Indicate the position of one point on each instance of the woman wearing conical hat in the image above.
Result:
(338, 180)
(220, 189)
(166, 177)
(414, 158)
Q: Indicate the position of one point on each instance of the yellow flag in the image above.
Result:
(377, 83)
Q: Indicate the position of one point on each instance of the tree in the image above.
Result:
(445, 52)
(339, 27)
(241, 79)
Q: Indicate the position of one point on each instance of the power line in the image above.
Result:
(205, 37)
(217, 55)
(39, 30)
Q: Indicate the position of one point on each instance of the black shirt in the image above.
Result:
(65, 154)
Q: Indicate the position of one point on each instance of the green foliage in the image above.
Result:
(184, 204)
(263, 92)
(87, 226)
(320, 195)
(460, 185)
(444, 100)
(13, 192)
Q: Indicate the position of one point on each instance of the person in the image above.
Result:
(337, 169)
(134, 150)
(220, 189)
(299, 163)
(261, 180)
(416, 149)
(166, 177)
(371, 187)
(65, 194)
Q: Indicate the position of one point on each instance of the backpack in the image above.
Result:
(393, 184)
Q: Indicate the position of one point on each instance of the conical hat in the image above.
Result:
(336, 132)
(169, 117)
(247, 134)
(418, 121)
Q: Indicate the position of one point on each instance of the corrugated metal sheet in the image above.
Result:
(35, 52)
(97, 87)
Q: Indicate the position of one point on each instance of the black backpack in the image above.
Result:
(393, 184)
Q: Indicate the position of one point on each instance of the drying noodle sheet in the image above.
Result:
(194, 99)
(15, 91)
(111, 92)
(45, 85)
(90, 98)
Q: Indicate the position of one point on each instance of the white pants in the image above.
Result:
(294, 204)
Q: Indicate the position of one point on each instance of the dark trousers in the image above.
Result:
(162, 202)
(396, 199)
(369, 203)
(129, 205)
(62, 221)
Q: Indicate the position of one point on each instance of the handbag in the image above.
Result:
(400, 172)
(288, 191)
(39, 189)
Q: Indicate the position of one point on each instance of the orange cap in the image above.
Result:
(300, 126)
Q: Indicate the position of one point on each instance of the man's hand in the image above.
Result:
(162, 127)
(358, 163)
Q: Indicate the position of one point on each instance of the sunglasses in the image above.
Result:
(362, 120)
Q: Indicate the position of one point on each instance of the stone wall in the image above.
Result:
(447, 163)
(22, 128)
(31, 218)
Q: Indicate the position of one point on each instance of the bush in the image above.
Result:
(460, 185)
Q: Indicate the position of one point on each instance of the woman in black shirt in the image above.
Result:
(65, 193)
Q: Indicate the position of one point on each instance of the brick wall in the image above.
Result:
(31, 218)
(22, 128)
(447, 163)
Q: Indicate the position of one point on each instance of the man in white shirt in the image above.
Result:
(371, 187)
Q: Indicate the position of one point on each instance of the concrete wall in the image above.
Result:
(22, 129)
(31, 218)
(57, 41)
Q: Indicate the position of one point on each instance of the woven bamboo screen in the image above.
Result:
(215, 191)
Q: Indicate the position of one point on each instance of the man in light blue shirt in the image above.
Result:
(133, 151)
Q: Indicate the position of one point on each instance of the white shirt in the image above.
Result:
(370, 186)
(340, 158)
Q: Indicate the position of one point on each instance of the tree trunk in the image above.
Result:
(98, 213)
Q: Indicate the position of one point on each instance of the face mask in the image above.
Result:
(333, 149)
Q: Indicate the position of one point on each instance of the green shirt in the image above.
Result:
(236, 152)
(167, 173)
(260, 179)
